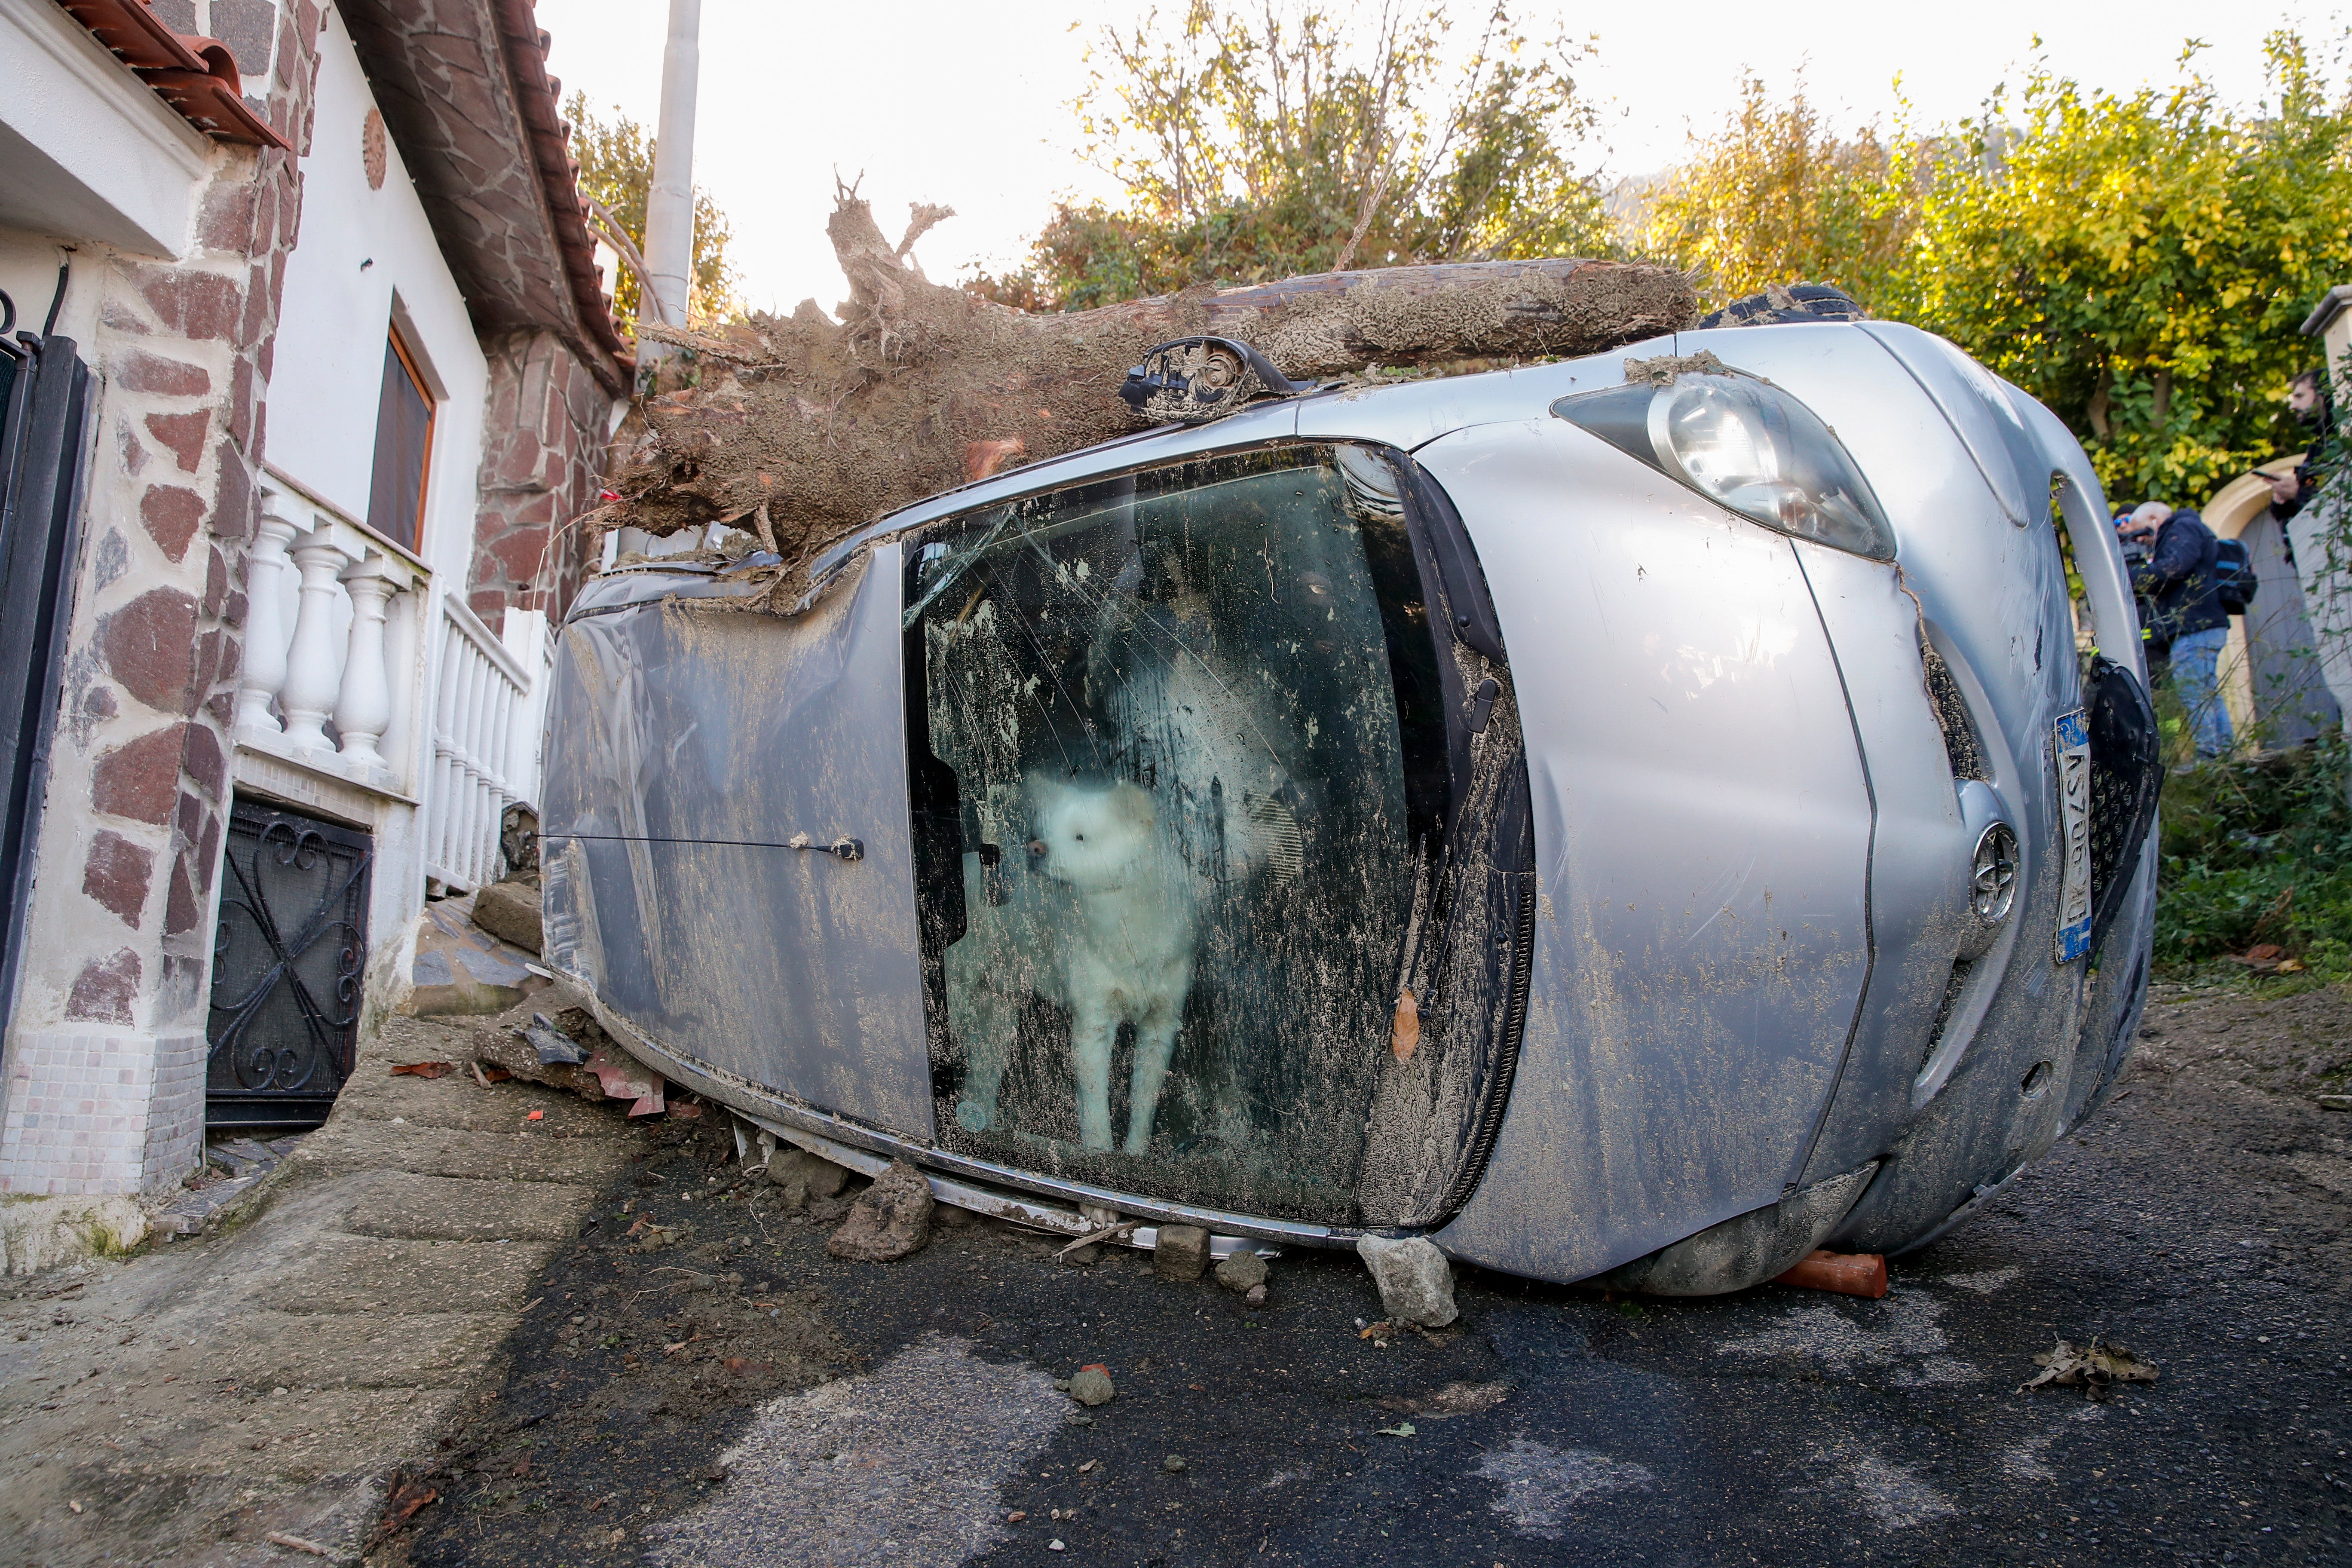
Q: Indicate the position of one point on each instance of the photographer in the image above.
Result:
(2308, 399)
(2175, 579)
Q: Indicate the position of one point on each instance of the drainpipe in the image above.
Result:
(669, 205)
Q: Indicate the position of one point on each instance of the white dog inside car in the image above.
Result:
(1126, 955)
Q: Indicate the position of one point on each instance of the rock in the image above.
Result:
(1416, 1283)
(891, 1219)
(1243, 1271)
(40, 1233)
(805, 1177)
(1256, 1297)
(1092, 1386)
(1173, 1464)
(509, 911)
(1082, 1258)
(1181, 1252)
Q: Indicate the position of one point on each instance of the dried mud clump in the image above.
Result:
(802, 430)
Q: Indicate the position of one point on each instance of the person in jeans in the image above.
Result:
(2177, 581)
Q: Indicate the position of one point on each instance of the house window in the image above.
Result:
(403, 447)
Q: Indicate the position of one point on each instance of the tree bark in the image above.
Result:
(921, 386)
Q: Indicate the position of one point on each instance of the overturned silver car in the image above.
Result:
(1649, 815)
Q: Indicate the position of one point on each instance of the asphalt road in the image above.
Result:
(736, 1397)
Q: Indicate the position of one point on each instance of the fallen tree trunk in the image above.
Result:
(804, 430)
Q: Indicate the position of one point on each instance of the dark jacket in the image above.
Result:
(2322, 425)
(2177, 579)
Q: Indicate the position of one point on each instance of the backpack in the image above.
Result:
(2234, 576)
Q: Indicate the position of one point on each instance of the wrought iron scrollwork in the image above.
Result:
(290, 959)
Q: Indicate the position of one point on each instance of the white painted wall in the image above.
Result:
(362, 254)
(87, 149)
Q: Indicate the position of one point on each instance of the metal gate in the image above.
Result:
(289, 961)
(44, 417)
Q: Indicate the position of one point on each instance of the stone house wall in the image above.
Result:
(105, 1064)
(544, 446)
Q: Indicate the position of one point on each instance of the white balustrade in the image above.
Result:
(330, 640)
(342, 633)
(480, 755)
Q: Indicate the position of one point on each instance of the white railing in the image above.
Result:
(481, 752)
(331, 668)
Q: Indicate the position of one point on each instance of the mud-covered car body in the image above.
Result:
(1508, 841)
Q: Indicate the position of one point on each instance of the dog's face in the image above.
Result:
(1090, 835)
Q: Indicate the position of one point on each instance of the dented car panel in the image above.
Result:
(1693, 983)
(1721, 921)
(697, 745)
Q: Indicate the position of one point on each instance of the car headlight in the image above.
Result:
(1745, 444)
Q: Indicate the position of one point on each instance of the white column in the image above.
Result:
(364, 705)
(309, 694)
(264, 668)
(400, 664)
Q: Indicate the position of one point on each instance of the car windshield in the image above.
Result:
(1161, 789)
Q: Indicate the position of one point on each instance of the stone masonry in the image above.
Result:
(105, 1064)
(543, 448)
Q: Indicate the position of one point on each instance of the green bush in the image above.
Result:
(2258, 852)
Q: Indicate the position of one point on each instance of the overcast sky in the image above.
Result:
(964, 103)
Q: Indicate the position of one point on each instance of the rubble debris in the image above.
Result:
(1091, 1385)
(2334, 1102)
(889, 1220)
(552, 1044)
(804, 1177)
(1847, 1273)
(815, 428)
(1401, 1429)
(2095, 1368)
(1087, 1249)
(1181, 1252)
(1663, 370)
(1416, 1283)
(279, 1538)
(1173, 1464)
(422, 1069)
(509, 911)
(1453, 1399)
(1242, 1272)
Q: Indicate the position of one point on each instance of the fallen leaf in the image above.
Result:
(688, 1111)
(1015, 1517)
(2095, 1368)
(422, 1069)
(1090, 1464)
(408, 1496)
(1372, 1330)
(2263, 949)
(1401, 1429)
(2290, 966)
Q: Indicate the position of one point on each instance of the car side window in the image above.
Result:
(1167, 813)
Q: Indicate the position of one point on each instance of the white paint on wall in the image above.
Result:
(363, 255)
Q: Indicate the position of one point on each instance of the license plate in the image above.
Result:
(2071, 740)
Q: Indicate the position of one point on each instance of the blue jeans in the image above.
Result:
(2194, 661)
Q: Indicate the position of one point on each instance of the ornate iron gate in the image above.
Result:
(289, 959)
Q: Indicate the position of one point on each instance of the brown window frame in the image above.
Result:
(415, 541)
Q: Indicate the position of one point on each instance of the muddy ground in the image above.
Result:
(726, 1394)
